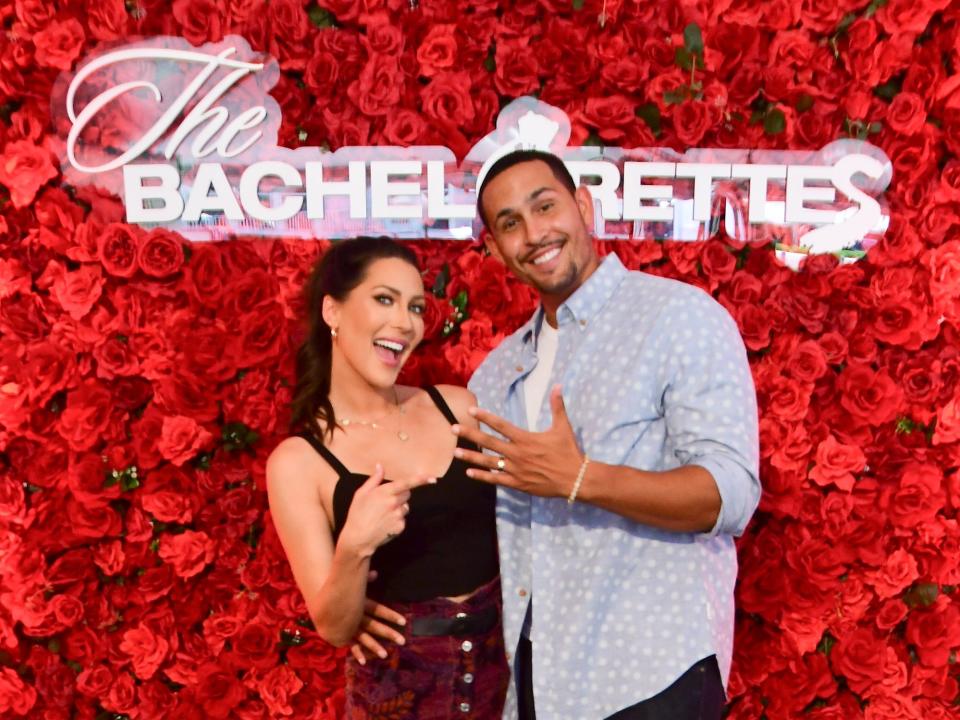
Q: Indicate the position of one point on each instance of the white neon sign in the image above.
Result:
(188, 137)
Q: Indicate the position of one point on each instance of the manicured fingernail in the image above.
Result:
(403, 620)
(382, 653)
(401, 641)
(363, 661)
(455, 429)
(430, 481)
(470, 473)
(458, 452)
(472, 410)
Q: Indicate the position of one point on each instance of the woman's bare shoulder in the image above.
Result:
(460, 401)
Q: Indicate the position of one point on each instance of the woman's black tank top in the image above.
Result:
(449, 545)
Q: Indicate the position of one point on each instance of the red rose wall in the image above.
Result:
(144, 380)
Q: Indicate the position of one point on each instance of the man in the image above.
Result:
(619, 499)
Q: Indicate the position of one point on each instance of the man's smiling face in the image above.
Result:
(539, 229)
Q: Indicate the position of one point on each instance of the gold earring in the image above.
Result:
(333, 333)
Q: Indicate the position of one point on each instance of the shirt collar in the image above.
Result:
(586, 301)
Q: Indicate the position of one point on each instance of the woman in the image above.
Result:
(369, 488)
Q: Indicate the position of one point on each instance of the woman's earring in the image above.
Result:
(333, 333)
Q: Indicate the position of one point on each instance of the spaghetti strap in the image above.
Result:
(332, 459)
(441, 404)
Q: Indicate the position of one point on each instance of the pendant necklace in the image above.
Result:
(375, 424)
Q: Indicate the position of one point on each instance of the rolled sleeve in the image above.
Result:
(710, 406)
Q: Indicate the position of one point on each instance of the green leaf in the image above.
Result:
(593, 140)
(873, 7)
(321, 18)
(237, 436)
(888, 90)
(921, 595)
(775, 122)
(826, 643)
(693, 39)
(874, 127)
(804, 102)
(683, 58)
(439, 288)
(846, 22)
(675, 97)
(578, 4)
(650, 114)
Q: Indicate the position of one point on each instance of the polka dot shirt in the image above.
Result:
(654, 376)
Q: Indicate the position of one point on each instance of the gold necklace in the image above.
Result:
(373, 424)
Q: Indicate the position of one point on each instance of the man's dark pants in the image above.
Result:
(696, 695)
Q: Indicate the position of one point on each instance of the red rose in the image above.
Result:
(861, 656)
(77, 291)
(87, 416)
(181, 439)
(122, 694)
(322, 73)
(948, 423)
(903, 17)
(86, 480)
(438, 50)
(447, 98)
(718, 262)
(188, 395)
(836, 463)
(907, 114)
(219, 628)
(517, 69)
(755, 325)
(147, 650)
(255, 645)
(276, 689)
(117, 248)
(145, 432)
(109, 557)
(107, 19)
(868, 395)
(95, 681)
(611, 115)
(918, 498)
(200, 20)
(16, 696)
(377, 90)
(691, 120)
(944, 264)
(935, 631)
(383, 36)
(897, 574)
(168, 495)
(49, 369)
(188, 553)
(404, 128)
(160, 253)
(114, 357)
(59, 44)
(217, 690)
(262, 338)
(24, 169)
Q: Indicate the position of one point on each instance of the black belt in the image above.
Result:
(460, 624)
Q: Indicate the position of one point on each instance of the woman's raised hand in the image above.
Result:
(378, 511)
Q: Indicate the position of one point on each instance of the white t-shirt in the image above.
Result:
(535, 384)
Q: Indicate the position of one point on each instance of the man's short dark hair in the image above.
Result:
(516, 157)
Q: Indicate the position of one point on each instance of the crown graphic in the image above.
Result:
(533, 132)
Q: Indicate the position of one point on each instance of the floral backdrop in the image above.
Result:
(144, 380)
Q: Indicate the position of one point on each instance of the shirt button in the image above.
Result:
(468, 678)
(519, 368)
(466, 646)
(583, 323)
(465, 707)
(521, 592)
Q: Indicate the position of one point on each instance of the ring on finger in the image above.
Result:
(406, 508)
(501, 464)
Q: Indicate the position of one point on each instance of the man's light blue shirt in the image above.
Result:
(654, 376)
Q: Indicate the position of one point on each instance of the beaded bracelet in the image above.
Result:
(579, 480)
